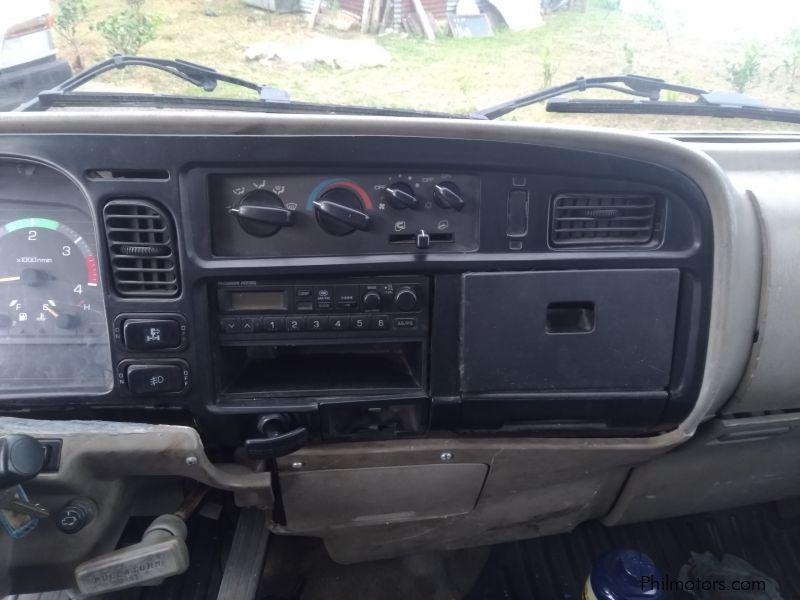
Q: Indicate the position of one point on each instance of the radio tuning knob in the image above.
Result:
(262, 213)
(447, 195)
(401, 196)
(372, 301)
(405, 299)
(339, 212)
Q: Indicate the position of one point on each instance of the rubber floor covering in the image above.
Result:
(555, 568)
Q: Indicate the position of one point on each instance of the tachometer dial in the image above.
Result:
(48, 281)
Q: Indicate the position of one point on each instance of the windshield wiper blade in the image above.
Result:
(647, 102)
(633, 85)
(50, 99)
(199, 75)
(713, 104)
(270, 99)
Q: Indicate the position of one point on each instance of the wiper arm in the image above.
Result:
(199, 75)
(648, 101)
(633, 85)
(713, 104)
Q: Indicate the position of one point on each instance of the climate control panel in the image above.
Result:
(281, 215)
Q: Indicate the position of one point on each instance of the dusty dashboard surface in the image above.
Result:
(416, 309)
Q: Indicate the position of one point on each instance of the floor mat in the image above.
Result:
(555, 568)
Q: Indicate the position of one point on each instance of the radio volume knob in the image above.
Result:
(405, 299)
(372, 301)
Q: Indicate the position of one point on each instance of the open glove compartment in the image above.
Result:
(581, 348)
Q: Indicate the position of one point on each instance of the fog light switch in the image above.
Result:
(154, 379)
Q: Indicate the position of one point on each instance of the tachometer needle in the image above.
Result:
(7, 279)
(50, 310)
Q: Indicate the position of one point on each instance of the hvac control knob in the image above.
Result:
(339, 212)
(400, 195)
(262, 213)
(447, 195)
(405, 299)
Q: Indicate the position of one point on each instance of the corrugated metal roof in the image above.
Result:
(402, 8)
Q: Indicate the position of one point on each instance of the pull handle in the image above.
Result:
(278, 445)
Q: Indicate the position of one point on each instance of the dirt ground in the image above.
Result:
(451, 75)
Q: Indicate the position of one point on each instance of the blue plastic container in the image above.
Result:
(624, 575)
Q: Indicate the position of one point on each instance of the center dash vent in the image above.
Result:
(606, 220)
(141, 247)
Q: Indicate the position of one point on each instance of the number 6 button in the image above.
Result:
(380, 322)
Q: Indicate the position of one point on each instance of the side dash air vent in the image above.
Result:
(606, 220)
(141, 247)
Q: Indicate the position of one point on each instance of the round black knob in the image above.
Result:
(400, 195)
(21, 459)
(339, 212)
(405, 299)
(262, 213)
(372, 301)
(75, 515)
(447, 195)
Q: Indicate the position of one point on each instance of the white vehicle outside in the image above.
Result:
(28, 62)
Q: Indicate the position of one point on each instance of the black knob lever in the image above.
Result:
(401, 196)
(344, 214)
(447, 196)
(273, 215)
(276, 443)
(21, 459)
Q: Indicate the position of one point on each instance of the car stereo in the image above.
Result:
(351, 308)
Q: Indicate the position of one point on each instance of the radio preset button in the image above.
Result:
(359, 323)
(379, 322)
(338, 323)
(271, 324)
(317, 323)
(294, 324)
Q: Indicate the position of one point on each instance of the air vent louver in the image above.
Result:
(605, 220)
(141, 247)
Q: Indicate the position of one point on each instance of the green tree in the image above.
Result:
(128, 31)
(745, 71)
(69, 14)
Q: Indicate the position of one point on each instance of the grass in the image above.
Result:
(452, 75)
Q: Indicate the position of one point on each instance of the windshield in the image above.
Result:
(452, 56)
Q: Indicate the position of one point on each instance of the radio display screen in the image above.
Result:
(258, 300)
